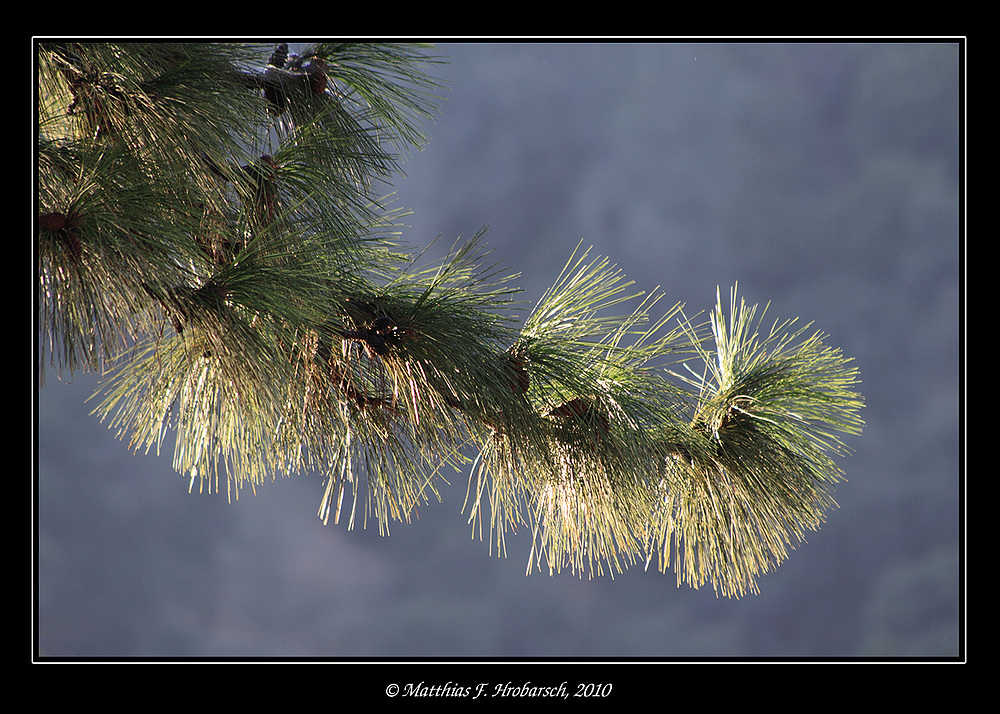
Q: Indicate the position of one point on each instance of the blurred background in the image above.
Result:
(824, 178)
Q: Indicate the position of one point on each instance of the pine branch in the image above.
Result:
(581, 456)
(758, 473)
(210, 239)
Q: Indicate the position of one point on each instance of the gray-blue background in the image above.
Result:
(822, 177)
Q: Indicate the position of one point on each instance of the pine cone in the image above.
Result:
(584, 411)
(316, 71)
(52, 221)
(280, 56)
(519, 379)
(65, 229)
